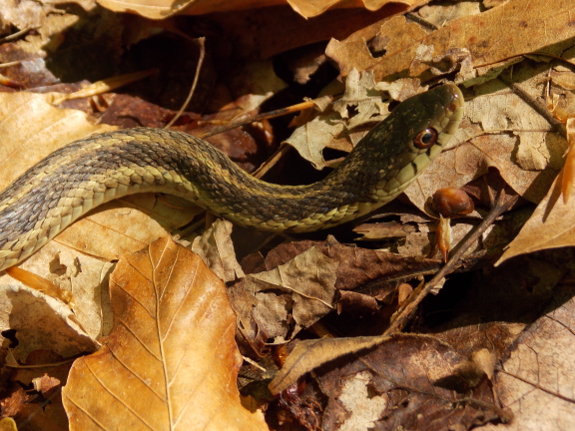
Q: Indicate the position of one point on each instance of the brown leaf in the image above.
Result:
(507, 22)
(41, 322)
(394, 385)
(356, 265)
(216, 249)
(387, 374)
(536, 380)
(302, 289)
(171, 361)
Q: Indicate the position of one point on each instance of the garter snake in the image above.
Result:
(79, 177)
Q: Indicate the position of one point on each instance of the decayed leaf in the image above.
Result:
(216, 249)
(367, 389)
(308, 286)
(356, 266)
(406, 381)
(171, 361)
(536, 380)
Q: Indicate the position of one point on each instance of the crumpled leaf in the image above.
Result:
(325, 131)
(302, 289)
(401, 384)
(216, 249)
(41, 322)
(171, 361)
(370, 388)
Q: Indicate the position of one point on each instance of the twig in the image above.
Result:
(264, 116)
(537, 105)
(402, 315)
(201, 43)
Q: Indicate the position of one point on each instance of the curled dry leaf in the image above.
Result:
(310, 354)
(303, 289)
(171, 361)
(324, 131)
(216, 249)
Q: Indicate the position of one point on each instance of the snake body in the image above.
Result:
(79, 177)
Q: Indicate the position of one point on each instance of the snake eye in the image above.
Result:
(426, 138)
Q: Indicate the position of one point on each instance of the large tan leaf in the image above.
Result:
(514, 28)
(171, 361)
(550, 226)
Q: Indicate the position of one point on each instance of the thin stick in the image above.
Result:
(266, 115)
(201, 43)
(402, 315)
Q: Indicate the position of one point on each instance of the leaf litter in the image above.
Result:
(300, 290)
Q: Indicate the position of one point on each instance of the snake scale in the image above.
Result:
(77, 178)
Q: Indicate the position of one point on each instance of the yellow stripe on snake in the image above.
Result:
(79, 177)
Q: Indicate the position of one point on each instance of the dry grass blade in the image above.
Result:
(171, 361)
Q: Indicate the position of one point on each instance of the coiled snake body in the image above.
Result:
(79, 177)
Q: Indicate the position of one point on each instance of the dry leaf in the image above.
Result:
(325, 131)
(171, 361)
(536, 380)
(395, 385)
(41, 322)
(308, 286)
(509, 22)
(216, 249)
(310, 354)
(550, 226)
(388, 373)
(158, 9)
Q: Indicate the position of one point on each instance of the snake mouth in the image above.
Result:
(453, 107)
